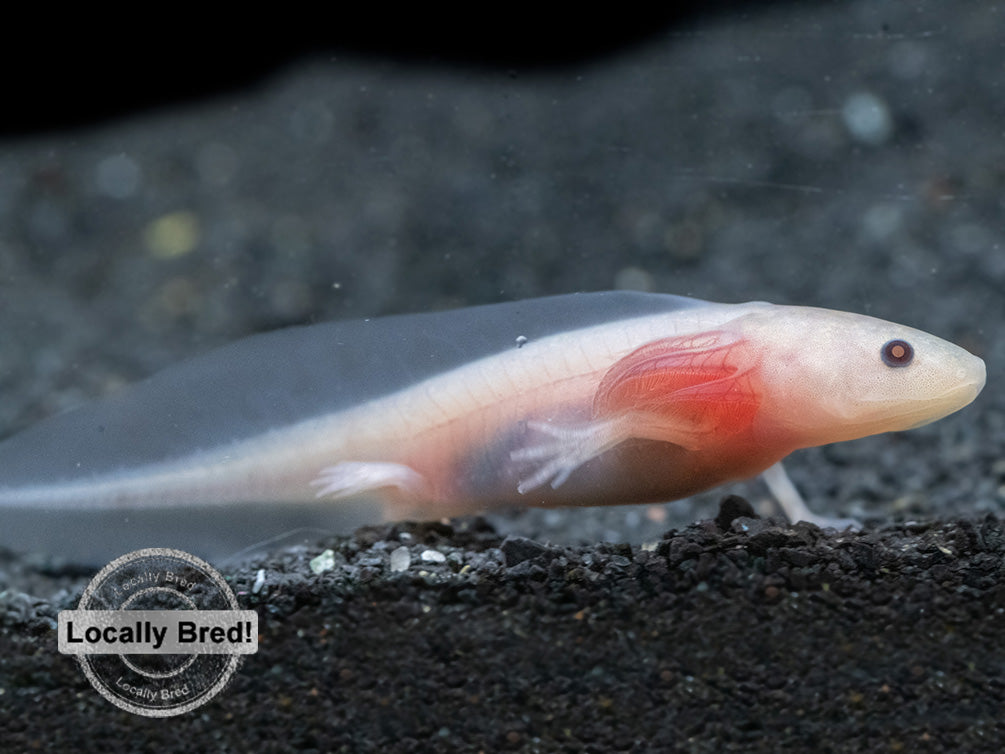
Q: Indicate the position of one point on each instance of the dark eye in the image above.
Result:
(897, 353)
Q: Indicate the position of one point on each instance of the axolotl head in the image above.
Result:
(830, 376)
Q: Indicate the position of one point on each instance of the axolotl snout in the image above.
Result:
(583, 399)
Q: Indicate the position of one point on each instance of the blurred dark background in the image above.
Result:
(69, 77)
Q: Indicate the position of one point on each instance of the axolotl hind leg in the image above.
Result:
(399, 487)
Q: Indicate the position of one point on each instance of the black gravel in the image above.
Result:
(763, 637)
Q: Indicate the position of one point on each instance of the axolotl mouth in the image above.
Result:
(956, 398)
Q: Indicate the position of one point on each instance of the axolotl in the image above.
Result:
(581, 399)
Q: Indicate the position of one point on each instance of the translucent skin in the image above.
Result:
(574, 400)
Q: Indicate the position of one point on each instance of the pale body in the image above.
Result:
(575, 400)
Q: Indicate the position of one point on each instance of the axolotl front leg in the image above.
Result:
(693, 392)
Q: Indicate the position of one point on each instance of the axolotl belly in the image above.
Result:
(584, 399)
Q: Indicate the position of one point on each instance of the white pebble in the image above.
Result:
(323, 562)
(401, 558)
(259, 581)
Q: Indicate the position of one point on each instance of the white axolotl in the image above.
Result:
(583, 399)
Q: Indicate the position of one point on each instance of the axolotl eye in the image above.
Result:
(897, 353)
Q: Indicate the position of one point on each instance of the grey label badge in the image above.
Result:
(164, 632)
(158, 632)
